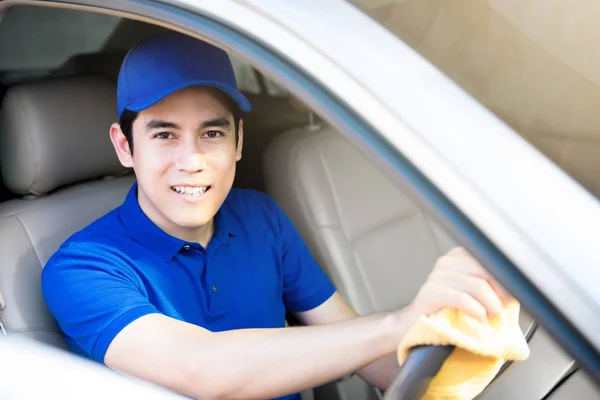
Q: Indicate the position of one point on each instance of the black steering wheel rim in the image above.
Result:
(421, 365)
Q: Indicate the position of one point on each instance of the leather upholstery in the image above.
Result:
(378, 245)
(55, 133)
(359, 226)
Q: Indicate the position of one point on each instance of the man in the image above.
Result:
(187, 283)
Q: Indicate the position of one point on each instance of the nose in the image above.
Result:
(191, 157)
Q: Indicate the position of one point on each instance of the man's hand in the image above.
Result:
(459, 281)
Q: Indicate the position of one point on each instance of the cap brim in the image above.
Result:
(153, 98)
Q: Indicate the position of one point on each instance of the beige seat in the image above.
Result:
(360, 227)
(378, 245)
(54, 151)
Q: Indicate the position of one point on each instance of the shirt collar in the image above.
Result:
(158, 241)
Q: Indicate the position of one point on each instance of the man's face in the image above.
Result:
(184, 158)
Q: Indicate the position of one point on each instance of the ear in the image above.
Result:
(240, 143)
(119, 141)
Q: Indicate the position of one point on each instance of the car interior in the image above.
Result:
(60, 173)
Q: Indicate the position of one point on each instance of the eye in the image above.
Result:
(163, 135)
(213, 134)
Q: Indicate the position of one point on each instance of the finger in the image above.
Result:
(458, 252)
(504, 295)
(459, 260)
(478, 288)
(456, 299)
(465, 264)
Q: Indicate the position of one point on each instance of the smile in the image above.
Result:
(190, 190)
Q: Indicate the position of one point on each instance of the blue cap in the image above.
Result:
(162, 64)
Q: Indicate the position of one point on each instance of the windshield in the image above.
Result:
(534, 64)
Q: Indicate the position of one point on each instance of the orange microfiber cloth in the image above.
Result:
(480, 349)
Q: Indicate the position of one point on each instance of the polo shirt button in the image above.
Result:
(214, 288)
(186, 246)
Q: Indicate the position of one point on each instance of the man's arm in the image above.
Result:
(266, 363)
(457, 281)
(250, 363)
(379, 373)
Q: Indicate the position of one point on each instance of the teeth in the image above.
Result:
(190, 191)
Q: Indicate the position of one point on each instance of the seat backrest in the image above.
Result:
(56, 155)
(377, 244)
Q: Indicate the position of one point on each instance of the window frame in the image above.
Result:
(383, 128)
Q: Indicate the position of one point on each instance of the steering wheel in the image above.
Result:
(417, 371)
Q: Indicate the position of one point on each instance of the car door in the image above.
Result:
(501, 197)
(497, 193)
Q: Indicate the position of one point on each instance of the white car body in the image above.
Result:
(534, 214)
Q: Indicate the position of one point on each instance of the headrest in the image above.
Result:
(56, 132)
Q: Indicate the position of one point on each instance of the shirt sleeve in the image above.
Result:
(93, 294)
(305, 285)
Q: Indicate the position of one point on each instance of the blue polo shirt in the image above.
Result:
(122, 267)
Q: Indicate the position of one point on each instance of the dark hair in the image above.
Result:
(126, 123)
(128, 117)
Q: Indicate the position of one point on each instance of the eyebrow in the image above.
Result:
(160, 124)
(220, 122)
